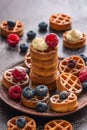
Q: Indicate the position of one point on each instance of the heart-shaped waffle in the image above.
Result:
(69, 82)
(8, 81)
(60, 22)
(80, 65)
(18, 29)
(68, 104)
(58, 125)
(74, 45)
(30, 124)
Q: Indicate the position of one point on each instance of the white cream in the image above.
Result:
(39, 44)
(73, 35)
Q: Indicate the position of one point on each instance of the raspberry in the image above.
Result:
(52, 40)
(14, 92)
(13, 39)
(19, 74)
(83, 75)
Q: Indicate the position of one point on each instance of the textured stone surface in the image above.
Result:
(32, 12)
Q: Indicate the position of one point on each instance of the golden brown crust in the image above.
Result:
(60, 22)
(30, 123)
(43, 56)
(31, 103)
(69, 82)
(7, 79)
(66, 105)
(80, 65)
(50, 86)
(74, 45)
(58, 125)
(18, 29)
(43, 80)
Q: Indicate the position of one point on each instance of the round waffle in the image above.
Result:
(58, 125)
(18, 29)
(74, 45)
(31, 103)
(30, 124)
(27, 60)
(80, 65)
(69, 82)
(43, 80)
(60, 22)
(66, 105)
(8, 81)
(38, 63)
(43, 56)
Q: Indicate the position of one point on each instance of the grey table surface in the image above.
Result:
(32, 12)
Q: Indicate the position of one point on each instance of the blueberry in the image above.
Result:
(28, 92)
(84, 57)
(41, 106)
(11, 24)
(31, 35)
(84, 85)
(63, 95)
(43, 26)
(23, 47)
(21, 122)
(71, 63)
(41, 90)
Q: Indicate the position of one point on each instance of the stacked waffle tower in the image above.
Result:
(44, 61)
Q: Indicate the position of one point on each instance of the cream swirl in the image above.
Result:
(73, 35)
(39, 44)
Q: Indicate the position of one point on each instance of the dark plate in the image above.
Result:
(82, 102)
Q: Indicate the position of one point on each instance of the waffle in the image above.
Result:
(74, 45)
(51, 86)
(31, 103)
(30, 125)
(69, 82)
(58, 125)
(43, 56)
(58, 105)
(8, 81)
(43, 80)
(39, 63)
(60, 22)
(18, 29)
(80, 65)
(27, 60)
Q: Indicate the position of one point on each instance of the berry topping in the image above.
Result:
(23, 47)
(19, 73)
(84, 85)
(31, 35)
(71, 63)
(41, 90)
(43, 26)
(21, 122)
(41, 106)
(14, 92)
(13, 39)
(28, 92)
(84, 57)
(83, 75)
(63, 95)
(11, 24)
(52, 40)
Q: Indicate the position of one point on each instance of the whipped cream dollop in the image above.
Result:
(73, 35)
(39, 44)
